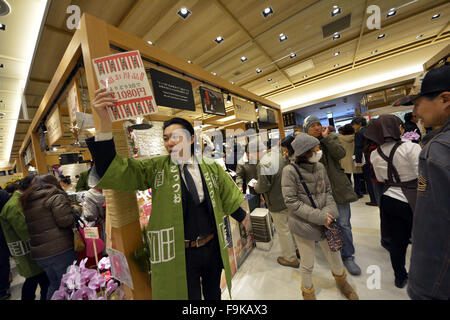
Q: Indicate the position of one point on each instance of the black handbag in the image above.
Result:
(333, 234)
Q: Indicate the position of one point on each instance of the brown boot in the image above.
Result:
(346, 289)
(308, 294)
(286, 263)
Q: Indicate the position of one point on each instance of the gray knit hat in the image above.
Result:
(303, 142)
(309, 121)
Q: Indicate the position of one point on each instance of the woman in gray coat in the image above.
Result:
(306, 222)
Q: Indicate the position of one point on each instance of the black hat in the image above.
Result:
(433, 81)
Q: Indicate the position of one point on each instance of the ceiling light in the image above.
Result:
(267, 12)
(214, 74)
(336, 36)
(283, 37)
(305, 76)
(184, 13)
(149, 42)
(419, 36)
(2, 26)
(219, 39)
(258, 70)
(243, 58)
(1, 65)
(228, 98)
(335, 11)
(232, 82)
(270, 79)
(292, 55)
(336, 53)
(381, 36)
(391, 13)
(277, 86)
(374, 51)
(336, 65)
(437, 15)
(189, 61)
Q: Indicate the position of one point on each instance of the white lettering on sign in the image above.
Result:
(162, 245)
(91, 233)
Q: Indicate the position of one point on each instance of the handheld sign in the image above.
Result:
(92, 233)
(124, 75)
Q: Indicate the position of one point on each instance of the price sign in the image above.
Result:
(91, 233)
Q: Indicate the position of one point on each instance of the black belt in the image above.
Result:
(199, 242)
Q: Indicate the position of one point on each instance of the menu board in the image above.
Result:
(54, 126)
(244, 110)
(212, 101)
(171, 91)
(124, 75)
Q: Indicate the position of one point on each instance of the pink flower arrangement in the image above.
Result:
(411, 135)
(81, 283)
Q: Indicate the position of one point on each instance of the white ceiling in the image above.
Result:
(17, 48)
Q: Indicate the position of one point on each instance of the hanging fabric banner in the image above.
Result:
(124, 75)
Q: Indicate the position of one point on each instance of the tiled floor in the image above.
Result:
(262, 278)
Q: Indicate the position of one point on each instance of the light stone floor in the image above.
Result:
(261, 278)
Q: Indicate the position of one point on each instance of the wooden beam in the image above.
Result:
(39, 156)
(131, 10)
(363, 25)
(44, 81)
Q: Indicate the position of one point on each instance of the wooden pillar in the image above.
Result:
(125, 238)
(39, 156)
(21, 167)
(280, 124)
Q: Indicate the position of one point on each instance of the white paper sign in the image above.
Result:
(124, 75)
(91, 233)
(119, 267)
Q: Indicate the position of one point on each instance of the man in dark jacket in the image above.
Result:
(429, 273)
(359, 124)
(341, 187)
(5, 267)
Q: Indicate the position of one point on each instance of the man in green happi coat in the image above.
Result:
(190, 196)
(16, 234)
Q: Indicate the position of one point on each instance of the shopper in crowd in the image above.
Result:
(11, 188)
(65, 182)
(48, 215)
(286, 148)
(341, 187)
(410, 125)
(5, 267)
(306, 220)
(269, 184)
(395, 162)
(190, 197)
(347, 140)
(13, 222)
(359, 124)
(429, 272)
(247, 171)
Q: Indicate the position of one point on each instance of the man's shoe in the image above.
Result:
(286, 263)
(371, 204)
(351, 266)
(297, 253)
(401, 283)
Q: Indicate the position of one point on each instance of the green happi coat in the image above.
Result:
(16, 234)
(165, 230)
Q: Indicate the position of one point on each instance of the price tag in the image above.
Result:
(91, 233)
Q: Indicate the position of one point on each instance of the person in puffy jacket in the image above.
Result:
(48, 214)
(306, 220)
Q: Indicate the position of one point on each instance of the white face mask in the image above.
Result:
(315, 157)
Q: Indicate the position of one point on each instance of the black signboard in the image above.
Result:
(172, 92)
(2, 173)
(212, 101)
(10, 172)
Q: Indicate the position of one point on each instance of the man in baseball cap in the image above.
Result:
(429, 274)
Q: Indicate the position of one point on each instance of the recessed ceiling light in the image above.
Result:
(283, 37)
(419, 36)
(305, 76)
(1, 65)
(214, 74)
(267, 12)
(184, 13)
(277, 86)
(374, 51)
(189, 61)
(437, 15)
(336, 53)
(2, 26)
(149, 42)
(391, 13)
(336, 11)
(292, 55)
(258, 70)
(381, 36)
(336, 65)
(232, 82)
(219, 39)
(243, 58)
(336, 36)
(270, 79)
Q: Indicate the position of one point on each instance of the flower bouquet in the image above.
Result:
(411, 135)
(81, 283)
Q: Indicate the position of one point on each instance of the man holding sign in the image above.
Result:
(190, 197)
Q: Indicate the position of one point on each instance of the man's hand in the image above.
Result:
(359, 164)
(245, 221)
(103, 99)
(325, 132)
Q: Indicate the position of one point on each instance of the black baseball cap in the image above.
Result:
(432, 81)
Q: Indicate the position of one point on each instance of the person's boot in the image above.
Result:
(308, 294)
(286, 263)
(343, 286)
(351, 266)
(297, 253)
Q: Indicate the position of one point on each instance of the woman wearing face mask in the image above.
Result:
(306, 221)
